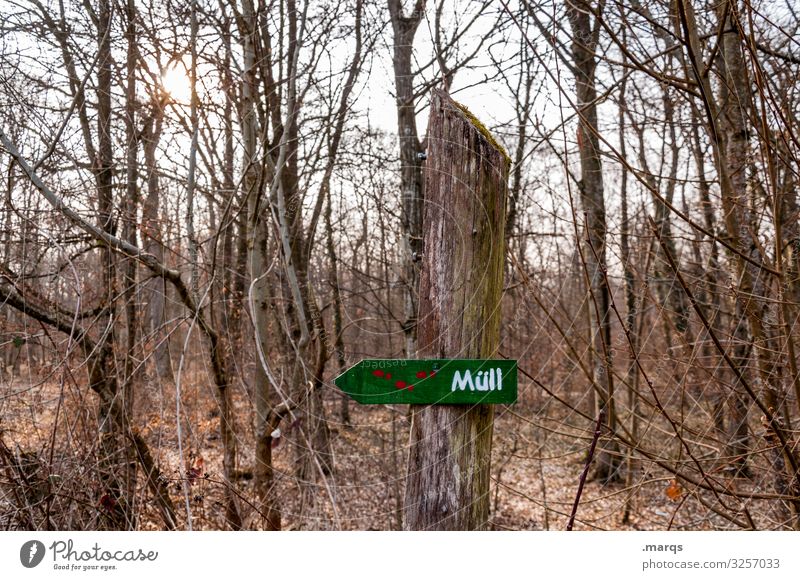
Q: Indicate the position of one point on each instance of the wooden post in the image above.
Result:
(466, 174)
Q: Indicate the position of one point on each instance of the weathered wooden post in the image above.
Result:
(465, 189)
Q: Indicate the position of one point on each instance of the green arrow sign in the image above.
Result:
(431, 381)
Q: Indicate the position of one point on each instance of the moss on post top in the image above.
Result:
(483, 130)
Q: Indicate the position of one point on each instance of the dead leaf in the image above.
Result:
(674, 490)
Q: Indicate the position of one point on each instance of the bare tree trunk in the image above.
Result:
(522, 110)
(631, 310)
(733, 147)
(592, 198)
(231, 194)
(338, 307)
(259, 265)
(264, 472)
(191, 178)
(131, 218)
(152, 235)
(101, 366)
(460, 290)
(787, 212)
(709, 272)
(405, 27)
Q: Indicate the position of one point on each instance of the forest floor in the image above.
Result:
(539, 452)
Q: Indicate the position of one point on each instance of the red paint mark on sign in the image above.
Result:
(388, 376)
(422, 374)
(400, 384)
(378, 373)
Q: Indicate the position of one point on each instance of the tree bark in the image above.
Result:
(459, 316)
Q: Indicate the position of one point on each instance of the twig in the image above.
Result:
(597, 428)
